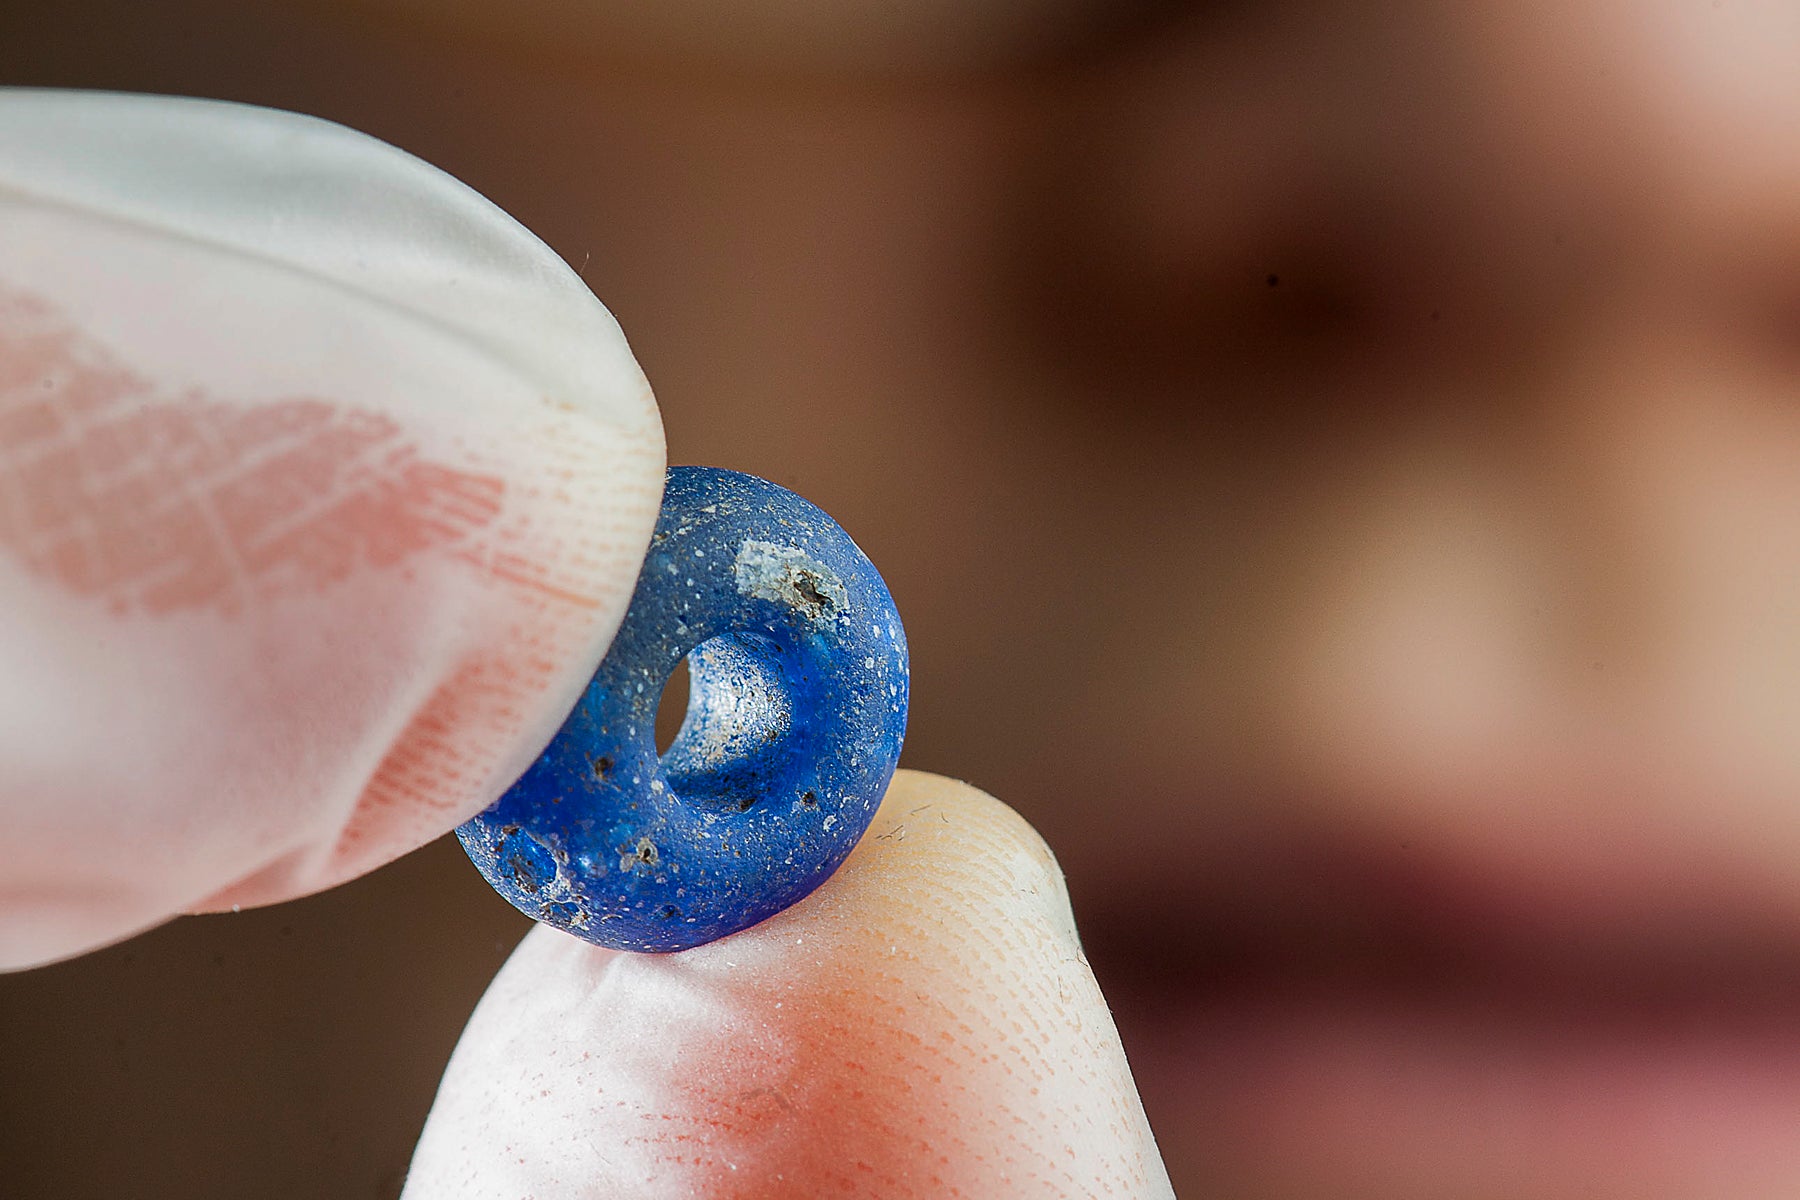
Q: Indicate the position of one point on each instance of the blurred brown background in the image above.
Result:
(1196, 375)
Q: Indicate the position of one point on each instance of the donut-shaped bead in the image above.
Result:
(796, 710)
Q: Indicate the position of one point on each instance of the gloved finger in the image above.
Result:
(323, 487)
(922, 1026)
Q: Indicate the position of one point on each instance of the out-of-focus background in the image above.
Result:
(1339, 465)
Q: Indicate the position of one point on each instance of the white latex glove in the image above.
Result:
(323, 488)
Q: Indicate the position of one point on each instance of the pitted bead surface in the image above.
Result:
(796, 712)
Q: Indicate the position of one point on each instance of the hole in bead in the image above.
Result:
(737, 733)
(671, 710)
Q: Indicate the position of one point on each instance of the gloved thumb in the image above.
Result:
(922, 1026)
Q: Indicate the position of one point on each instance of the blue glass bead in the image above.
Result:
(796, 710)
